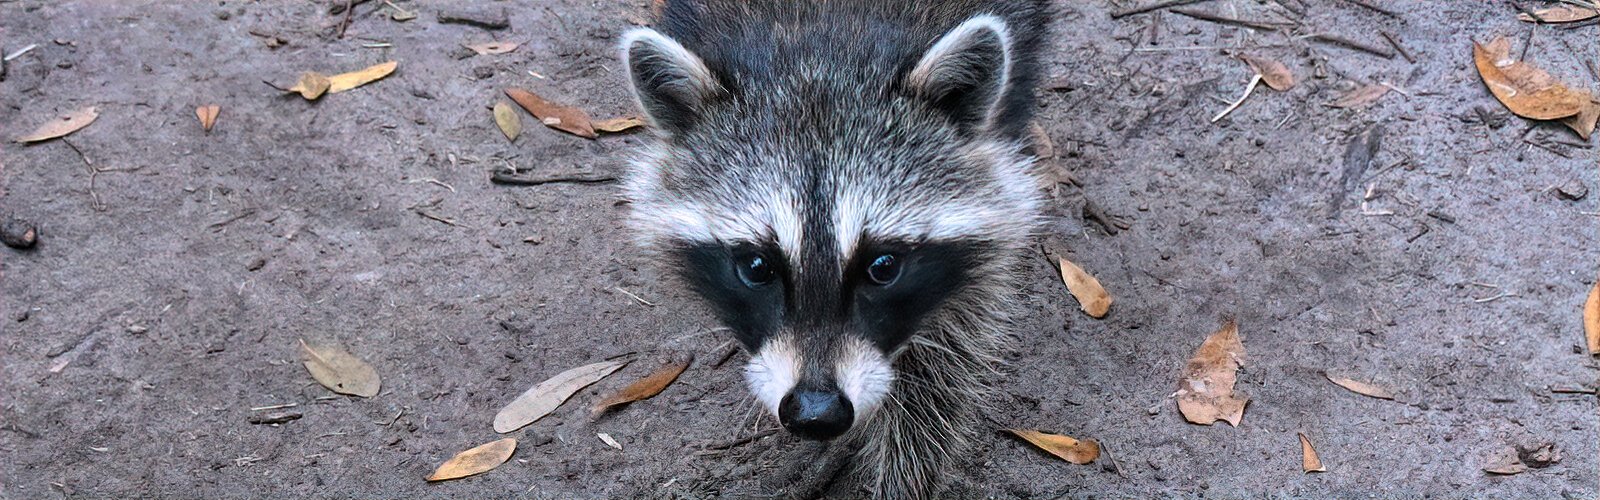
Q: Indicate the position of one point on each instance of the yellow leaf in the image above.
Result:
(1362, 388)
(1063, 447)
(506, 117)
(544, 398)
(207, 115)
(1205, 393)
(340, 371)
(1091, 296)
(616, 125)
(644, 388)
(311, 85)
(62, 125)
(481, 459)
(346, 81)
(1309, 461)
(1591, 320)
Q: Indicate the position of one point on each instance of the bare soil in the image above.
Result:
(173, 285)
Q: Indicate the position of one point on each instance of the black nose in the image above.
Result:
(814, 414)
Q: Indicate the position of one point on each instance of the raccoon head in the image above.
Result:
(828, 206)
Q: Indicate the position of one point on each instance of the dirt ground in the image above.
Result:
(173, 285)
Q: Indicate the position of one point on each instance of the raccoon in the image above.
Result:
(844, 183)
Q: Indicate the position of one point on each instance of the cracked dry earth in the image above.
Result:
(1446, 268)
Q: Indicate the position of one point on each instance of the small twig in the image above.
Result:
(21, 51)
(75, 149)
(437, 218)
(433, 181)
(349, 13)
(1207, 16)
(636, 297)
(1395, 42)
(734, 443)
(1352, 44)
(512, 179)
(217, 226)
(1254, 80)
(1155, 6)
(1497, 296)
(275, 407)
(1375, 8)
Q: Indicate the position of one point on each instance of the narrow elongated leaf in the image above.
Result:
(1067, 448)
(1359, 387)
(644, 388)
(1591, 320)
(618, 125)
(481, 459)
(544, 398)
(564, 118)
(62, 125)
(346, 81)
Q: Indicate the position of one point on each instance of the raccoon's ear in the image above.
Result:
(669, 81)
(966, 72)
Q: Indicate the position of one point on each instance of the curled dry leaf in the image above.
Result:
(1560, 14)
(340, 371)
(207, 115)
(1585, 121)
(1092, 297)
(609, 441)
(1362, 388)
(1524, 89)
(644, 388)
(481, 459)
(1072, 450)
(1273, 73)
(62, 125)
(506, 117)
(492, 48)
(545, 397)
(1506, 462)
(1591, 319)
(616, 125)
(564, 118)
(1360, 97)
(1309, 461)
(346, 81)
(1205, 393)
(311, 85)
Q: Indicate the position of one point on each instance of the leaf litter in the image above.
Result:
(644, 388)
(1530, 92)
(1092, 298)
(1067, 448)
(493, 48)
(506, 118)
(545, 397)
(478, 460)
(340, 371)
(1360, 97)
(618, 125)
(1205, 392)
(1359, 387)
(313, 85)
(62, 125)
(1591, 319)
(560, 117)
(207, 115)
(1309, 460)
(1273, 73)
(1560, 14)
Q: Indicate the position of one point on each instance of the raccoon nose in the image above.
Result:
(814, 414)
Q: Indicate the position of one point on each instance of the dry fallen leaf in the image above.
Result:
(1506, 462)
(545, 397)
(1585, 121)
(564, 118)
(62, 125)
(1067, 448)
(1309, 461)
(1561, 14)
(1360, 97)
(616, 125)
(207, 115)
(1274, 73)
(1362, 388)
(346, 81)
(311, 85)
(506, 117)
(1205, 393)
(492, 48)
(1591, 320)
(606, 438)
(1525, 90)
(481, 459)
(644, 388)
(1091, 296)
(340, 371)
(1043, 147)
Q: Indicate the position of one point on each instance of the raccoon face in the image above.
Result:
(827, 210)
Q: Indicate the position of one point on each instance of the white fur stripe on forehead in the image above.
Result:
(774, 217)
(773, 372)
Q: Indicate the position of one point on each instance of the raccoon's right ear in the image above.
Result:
(670, 82)
(967, 71)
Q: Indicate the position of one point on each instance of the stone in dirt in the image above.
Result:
(19, 234)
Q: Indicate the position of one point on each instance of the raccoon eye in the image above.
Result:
(754, 270)
(884, 269)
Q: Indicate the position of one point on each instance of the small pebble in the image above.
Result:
(19, 234)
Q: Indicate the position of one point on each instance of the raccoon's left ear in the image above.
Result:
(966, 72)
(670, 82)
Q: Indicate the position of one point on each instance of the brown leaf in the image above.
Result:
(1591, 320)
(1309, 461)
(492, 48)
(1092, 297)
(1362, 388)
(311, 85)
(1561, 14)
(1043, 147)
(207, 115)
(506, 117)
(1524, 89)
(1274, 73)
(1360, 97)
(644, 388)
(1066, 448)
(62, 125)
(340, 371)
(481, 459)
(1506, 462)
(346, 81)
(548, 395)
(1205, 393)
(1584, 122)
(564, 118)
(620, 124)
